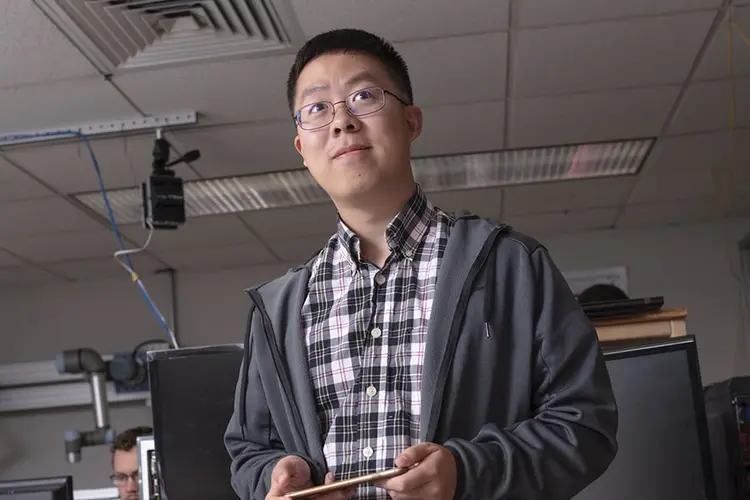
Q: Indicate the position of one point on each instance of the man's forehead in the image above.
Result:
(347, 70)
(125, 461)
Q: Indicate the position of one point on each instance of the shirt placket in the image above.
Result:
(373, 379)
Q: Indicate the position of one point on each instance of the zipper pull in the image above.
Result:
(487, 329)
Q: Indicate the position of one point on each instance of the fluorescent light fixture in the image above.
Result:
(443, 173)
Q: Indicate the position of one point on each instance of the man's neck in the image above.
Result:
(369, 222)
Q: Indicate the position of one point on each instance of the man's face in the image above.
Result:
(384, 136)
(125, 465)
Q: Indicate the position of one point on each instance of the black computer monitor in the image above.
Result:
(192, 398)
(664, 450)
(46, 488)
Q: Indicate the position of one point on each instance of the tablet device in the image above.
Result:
(347, 483)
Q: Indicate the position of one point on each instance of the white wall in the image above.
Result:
(689, 265)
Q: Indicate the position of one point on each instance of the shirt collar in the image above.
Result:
(404, 233)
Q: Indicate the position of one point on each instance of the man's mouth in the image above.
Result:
(349, 150)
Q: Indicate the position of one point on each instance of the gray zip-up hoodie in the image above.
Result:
(515, 384)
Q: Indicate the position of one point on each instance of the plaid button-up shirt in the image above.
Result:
(365, 330)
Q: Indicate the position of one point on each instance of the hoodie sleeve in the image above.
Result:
(250, 437)
(570, 439)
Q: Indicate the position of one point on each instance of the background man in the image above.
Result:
(125, 462)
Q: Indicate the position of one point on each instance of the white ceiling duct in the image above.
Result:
(118, 35)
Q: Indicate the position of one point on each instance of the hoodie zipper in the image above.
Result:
(286, 386)
(463, 302)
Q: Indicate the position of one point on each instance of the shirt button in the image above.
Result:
(409, 253)
(379, 279)
(371, 391)
(367, 452)
(376, 332)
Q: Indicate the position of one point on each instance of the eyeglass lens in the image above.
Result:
(121, 478)
(359, 103)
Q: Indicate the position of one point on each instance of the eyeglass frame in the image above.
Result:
(135, 476)
(298, 119)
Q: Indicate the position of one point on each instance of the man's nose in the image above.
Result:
(343, 119)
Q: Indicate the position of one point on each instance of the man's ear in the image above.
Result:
(298, 147)
(414, 121)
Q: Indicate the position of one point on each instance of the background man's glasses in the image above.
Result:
(359, 103)
(120, 478)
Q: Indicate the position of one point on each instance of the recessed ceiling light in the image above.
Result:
(235, 194)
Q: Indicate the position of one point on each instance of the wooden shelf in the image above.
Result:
(661, 324)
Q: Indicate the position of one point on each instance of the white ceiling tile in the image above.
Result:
(397, 20)
(284, 223)
(697, 166)
(35, 49)
(635, 53)
(706, 107)
(714, 64)
(67, 245)
(599, 116)
(298, 250)
(17, 185)
(670, 213)
(683, 184)
(61, 104)
(529, 13)
(26, 276)
(42, 215)
(212, 258)
(563, 222)
(8, 260)
(740, 206)
(96, 269)
(567, 195)
(673, 155)
(221, 92)
(484, 202)
(457, 69)
(242, 149)
(197, 231)
(461, 128)
(123, 162)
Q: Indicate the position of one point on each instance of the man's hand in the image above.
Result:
(292, 474)
(432, 474)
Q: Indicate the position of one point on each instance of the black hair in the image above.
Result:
(601, 292)
(128, 439)
(350, 41)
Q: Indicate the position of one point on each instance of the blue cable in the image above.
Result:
(135, 277)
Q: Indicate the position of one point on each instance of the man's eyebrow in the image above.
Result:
(311, 90)
(362, 76)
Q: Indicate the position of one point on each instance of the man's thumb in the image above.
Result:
(415, 454)
(281, 478)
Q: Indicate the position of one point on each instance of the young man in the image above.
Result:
(125, 462)
(451, 346)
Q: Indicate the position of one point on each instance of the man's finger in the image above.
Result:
(336, 495)
(414, 478)
(414, 454)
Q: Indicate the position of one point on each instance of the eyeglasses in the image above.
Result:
(119, 478)
(359, 103)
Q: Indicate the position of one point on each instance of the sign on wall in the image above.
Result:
(582, 279)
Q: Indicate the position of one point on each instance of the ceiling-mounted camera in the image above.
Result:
(163, 193)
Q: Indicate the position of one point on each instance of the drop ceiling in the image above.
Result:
(489, 75)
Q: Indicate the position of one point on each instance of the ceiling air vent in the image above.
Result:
(120, 35)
